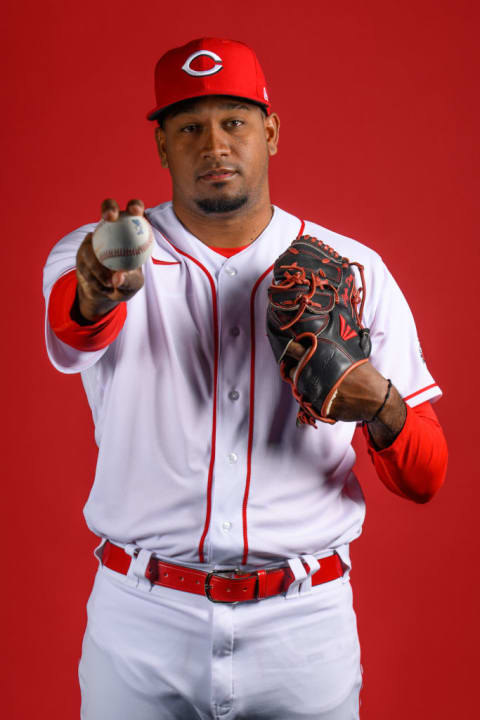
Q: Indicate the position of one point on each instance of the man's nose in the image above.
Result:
(215, 141)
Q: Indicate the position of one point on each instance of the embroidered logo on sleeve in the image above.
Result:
(420, 351)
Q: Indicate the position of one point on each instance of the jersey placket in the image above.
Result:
(226, 531)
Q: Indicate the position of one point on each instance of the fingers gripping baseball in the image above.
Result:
(100, 288)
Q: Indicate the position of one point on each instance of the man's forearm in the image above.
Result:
(66, 325)
(414, 465)
(389, 421)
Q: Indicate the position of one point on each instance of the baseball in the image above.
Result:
(124, 244)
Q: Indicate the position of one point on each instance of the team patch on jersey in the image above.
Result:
(420, 352)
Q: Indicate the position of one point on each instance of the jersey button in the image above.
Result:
(232, 458)
(233, 394)
(230, 271)
(226, 525)
(235, 331)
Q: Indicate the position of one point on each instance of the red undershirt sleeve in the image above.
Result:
(81, 337)
(97, 335)
(415, 464)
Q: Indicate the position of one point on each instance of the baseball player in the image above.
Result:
(223, 584)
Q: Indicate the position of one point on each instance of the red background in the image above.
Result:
(379, 106)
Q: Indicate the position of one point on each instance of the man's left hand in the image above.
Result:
(358, 398)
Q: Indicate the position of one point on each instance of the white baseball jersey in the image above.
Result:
(200, 459)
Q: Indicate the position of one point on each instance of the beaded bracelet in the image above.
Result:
(387, 395)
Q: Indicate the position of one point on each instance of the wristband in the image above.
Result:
(387, 395)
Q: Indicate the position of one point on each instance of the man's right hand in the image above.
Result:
(99, 288)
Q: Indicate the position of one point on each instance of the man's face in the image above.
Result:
(217, 150)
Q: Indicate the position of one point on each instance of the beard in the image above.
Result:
(221, 204)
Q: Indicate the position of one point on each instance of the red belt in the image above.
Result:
(221, 586)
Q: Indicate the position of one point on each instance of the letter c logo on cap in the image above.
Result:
(199, 73)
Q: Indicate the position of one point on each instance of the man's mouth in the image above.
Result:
(218, 175)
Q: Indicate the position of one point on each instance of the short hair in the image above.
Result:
(190, 104)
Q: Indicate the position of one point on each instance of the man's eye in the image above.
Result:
(189, 128)
(235, 123)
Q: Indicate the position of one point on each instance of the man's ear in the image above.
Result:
(161, 141)
(272, 132)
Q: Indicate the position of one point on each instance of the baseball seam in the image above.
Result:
(125, 252)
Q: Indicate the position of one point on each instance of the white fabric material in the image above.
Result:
(299, 573)
(151, 395)
(302, 583)
(138, 567)
(314, 565)
(165, 654)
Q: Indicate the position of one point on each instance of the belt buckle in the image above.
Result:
(208, 587)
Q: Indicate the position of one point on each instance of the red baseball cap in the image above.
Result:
(209, 66)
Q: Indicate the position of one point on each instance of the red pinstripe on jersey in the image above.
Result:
(252, 402)
(201, 554)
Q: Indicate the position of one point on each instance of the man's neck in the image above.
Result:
(225, 230)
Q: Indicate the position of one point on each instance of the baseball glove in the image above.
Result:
(313, 301)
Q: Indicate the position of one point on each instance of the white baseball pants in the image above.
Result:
(162, 654)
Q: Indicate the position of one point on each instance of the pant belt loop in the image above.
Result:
(138, 566)
(299, 573)
(98, 552)
(343, 551)
(314, 565)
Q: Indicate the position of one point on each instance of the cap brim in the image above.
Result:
(153, 114)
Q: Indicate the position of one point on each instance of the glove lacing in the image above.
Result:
(295, 275)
